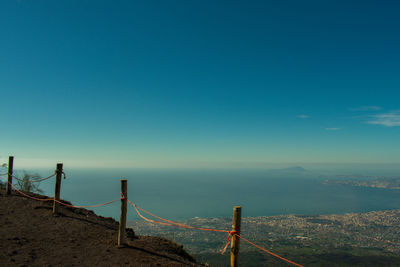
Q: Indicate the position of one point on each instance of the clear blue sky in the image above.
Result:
(199, 83)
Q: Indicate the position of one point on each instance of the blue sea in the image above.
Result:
(181, 194)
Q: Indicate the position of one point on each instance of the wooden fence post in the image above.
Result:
(237, 216)
(10, 174)
(122, 221)
(59, 172)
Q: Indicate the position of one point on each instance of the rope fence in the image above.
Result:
(62, 203)
(175, 224)
(28, 196)
(231, 233)
(90, 206)
(37, 180)
(235, 233)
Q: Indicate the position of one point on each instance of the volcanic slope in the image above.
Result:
(31, 236)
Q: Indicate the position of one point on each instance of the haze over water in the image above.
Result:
(184, 194)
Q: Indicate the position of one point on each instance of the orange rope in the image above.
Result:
(91, 206)
(175, 224)
(28, 196)
(152, 221)
(166, 222)
(231, 233)
(229, 241)
(62, 203)
(269, 252)
(179, 224)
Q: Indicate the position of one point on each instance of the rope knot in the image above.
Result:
(230, 233)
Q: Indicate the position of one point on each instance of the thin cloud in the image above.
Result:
(367, 108)
(390, 119)
(333, 129)
(303, 116)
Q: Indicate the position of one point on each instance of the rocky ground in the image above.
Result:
(31, 236)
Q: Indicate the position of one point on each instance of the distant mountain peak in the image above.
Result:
(295, 168)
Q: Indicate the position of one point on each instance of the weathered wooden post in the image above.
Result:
(237, 216)
(10, 174)
(122, 221)
(59, 172)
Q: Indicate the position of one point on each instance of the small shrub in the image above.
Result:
(3, 170)
(27, 183)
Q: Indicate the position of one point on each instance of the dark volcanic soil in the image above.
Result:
(31, 236)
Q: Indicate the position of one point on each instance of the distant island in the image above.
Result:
(289, 169)
(295, 168)
(366, 181)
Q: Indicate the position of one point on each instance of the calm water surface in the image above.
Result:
(184, 194)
